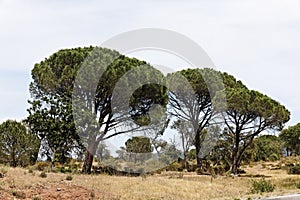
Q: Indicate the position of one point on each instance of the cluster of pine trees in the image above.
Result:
(73, 112)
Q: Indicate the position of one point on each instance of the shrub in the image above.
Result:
(192, 168)
(69, 178)
(288, 183)
(199, 171)
(62, 170)
(298, 185)
(294, 169)
(14, 192)
(262, 185)
(3, 170)
(274, 157)
(92, 195)
(43, 175)
(41, 166)
(174, 167)
(54, 170)
(19, 194)
(219, 170)
(74, 165)
(191, 154)
(36, 198)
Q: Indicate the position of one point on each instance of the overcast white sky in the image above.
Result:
(255, 40)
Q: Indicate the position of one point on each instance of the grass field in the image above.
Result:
(20, 183)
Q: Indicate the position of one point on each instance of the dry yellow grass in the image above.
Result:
(163, 186)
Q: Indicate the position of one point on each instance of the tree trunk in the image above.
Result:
(235, 152)
(199, 159)
(13, 162)
(185, 162)
(234, 166)
(88, 162)
(238, 153)
(198, 147)
(89, 157)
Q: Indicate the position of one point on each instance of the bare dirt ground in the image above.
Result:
(19, 184)
(49, 192)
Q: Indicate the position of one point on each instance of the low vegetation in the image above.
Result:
(261, 185)
(258, 181)
(294, 169)
(69, 178)
(43, 175)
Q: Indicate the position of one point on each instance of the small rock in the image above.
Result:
(58, 189)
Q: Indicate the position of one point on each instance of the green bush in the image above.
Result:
(69, 178)
(274, 157)
(199, 171)
(175, 166)
(298, 185)
(192, 167)
(41, 166)
(14, 192)
(219, 170)
(19, 194)
(294, 169)
(191, 154)
(74, 166)
(3, 170)
(62, 170)
(36, 198)
(262, 185)
(43, 175)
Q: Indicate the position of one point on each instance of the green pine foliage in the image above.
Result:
(18, 146)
